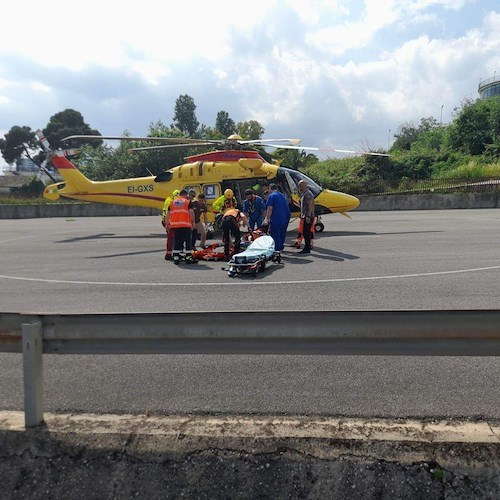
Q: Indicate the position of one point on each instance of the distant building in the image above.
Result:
(26, 165)
(22, 166)
(489, 87)
(13, 180)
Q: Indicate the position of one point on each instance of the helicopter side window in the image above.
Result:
(196, 187)
(211, 191)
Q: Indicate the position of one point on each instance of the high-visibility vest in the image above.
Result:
(166, 203)
(179, 215)
(222, 203)
(233, 212)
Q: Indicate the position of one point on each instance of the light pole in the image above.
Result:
(441, 118)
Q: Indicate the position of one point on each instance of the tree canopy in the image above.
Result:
(185, 115)
(225, 125)
(250, 130)
(66, 123)
(18, 141)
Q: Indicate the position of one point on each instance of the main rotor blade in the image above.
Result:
(294, 142)
(325, 150)
(172, 146)
(176, 140)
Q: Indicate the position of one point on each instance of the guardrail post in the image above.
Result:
(33, 373)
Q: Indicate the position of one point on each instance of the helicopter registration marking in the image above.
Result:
(144, 188)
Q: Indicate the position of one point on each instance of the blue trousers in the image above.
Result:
(257, 221)
(278, 234)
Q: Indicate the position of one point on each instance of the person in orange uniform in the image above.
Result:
(231, 226)
(170, 235)
(180, 220)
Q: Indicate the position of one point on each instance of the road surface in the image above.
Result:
(378, 260)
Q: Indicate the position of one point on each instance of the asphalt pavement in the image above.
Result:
(378, 260)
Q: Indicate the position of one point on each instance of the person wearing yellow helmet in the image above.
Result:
(170, 234)
(225, 202)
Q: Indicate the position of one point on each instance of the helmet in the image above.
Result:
(228, 193)
(175, 193)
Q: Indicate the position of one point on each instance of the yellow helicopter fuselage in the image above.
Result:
(209, 173)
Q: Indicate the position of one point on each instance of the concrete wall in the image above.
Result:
(428, 201)
(368, 203)
(71, 210)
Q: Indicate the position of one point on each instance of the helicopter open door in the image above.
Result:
(294, 200)
(289, 188)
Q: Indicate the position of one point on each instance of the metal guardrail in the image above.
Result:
(405, 333)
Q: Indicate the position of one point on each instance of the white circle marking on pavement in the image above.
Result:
(254, 283)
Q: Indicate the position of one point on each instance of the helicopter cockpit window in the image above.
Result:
(164, 176)
(299, 176)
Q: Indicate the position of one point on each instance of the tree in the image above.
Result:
(17, 143)
(408, 133)
(66, 123)
(225, 125)
(106, 163)
(185, 116)
(250, 130)
(476, 128)
(293, 158)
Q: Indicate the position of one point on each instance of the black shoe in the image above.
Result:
(304, 251)
(168, 257)
(190, 260)
(177, 260)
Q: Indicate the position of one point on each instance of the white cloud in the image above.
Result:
(340, 70)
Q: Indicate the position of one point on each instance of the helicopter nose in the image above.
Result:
(336, 201)
(351, 202)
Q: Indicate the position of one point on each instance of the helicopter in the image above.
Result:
(235, 164)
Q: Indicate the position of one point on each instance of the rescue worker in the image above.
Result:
(300, 233)
(231, 221)
(225, 202)
(277, 216)
(307, 214)
(170, 235)
(180, 220)
(200, 207)
(255, 209)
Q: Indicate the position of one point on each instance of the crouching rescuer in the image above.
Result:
(231, 222)
(180, 220)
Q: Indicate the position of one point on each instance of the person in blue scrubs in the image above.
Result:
(277, 216)
(255, 208)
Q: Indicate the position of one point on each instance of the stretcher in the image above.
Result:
(254, 259)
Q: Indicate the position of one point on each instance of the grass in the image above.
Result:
(472, 170)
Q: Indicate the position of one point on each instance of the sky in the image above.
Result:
(338, 73)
